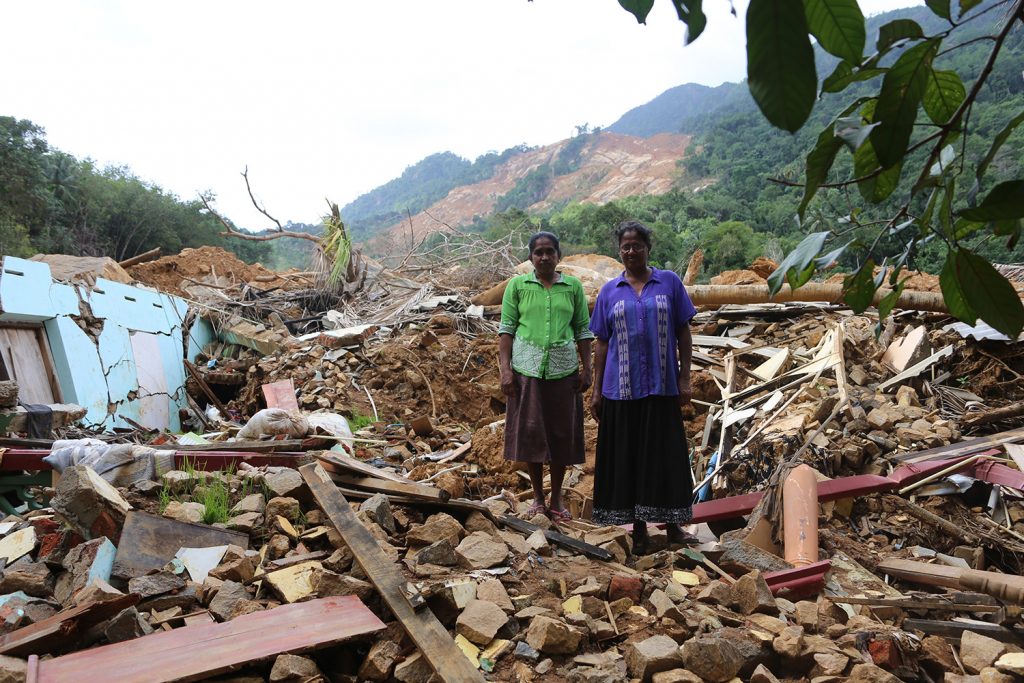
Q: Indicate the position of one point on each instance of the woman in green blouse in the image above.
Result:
(544, 320)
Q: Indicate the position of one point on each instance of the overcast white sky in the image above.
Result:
(333, 98)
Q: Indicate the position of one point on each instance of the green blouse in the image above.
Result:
(545, 325)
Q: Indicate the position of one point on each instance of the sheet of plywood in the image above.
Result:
(25, 359)
(195, 653)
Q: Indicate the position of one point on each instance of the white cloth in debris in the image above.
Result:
(119, 464)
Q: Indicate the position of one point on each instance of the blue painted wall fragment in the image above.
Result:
(101, 374)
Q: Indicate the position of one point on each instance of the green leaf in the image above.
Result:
(902, 90)
(967, 5)
(888, 302)
(844, 75)
(839, 27)
(897, 30)
(964, 228)
(819, 162)
(859, 288)
(953, 293)
(996, 144)
(939, 7)
(1005, 201)
(943, 95)
(638, 8)
(794, 268)
(988, 293)
(877, 187)
(692, 14)
(780, 62)
(830, 259)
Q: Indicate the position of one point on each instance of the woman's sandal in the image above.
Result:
(561, 515)
(536, 509)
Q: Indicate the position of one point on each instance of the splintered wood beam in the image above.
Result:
(340, 463)
(429, 636)
(375, 485)
(195, 653)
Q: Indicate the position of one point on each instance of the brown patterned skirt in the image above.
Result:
(544, 421)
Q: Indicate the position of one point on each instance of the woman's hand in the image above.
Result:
(595, 404)
(685, 392)
(508, 382)
(583, 381)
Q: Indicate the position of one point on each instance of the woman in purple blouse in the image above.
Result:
(641, 380)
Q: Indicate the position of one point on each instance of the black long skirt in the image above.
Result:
(642, 470)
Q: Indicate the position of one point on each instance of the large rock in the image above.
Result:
(379, 509)
(494, 591)
(480, 551)
(293, 669)
(552, 636)
(712, 658)
(254, 502)
(380, 661)
(151, 585)
(285, 483)
(1011, 663)
(751, 594)
(185, 512)
(869, 673)
(224, 605)
(282, 507)
(480, 621)
(33, 578)
(89, 504)
(655, 654)
(441, 553)
(438, 526)
(978, 651)
(89, 561)
(128, 624)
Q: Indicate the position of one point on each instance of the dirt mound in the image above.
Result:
(174, 273)
(763, 266)
(737, 277)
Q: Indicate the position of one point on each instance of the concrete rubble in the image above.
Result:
(916, 454)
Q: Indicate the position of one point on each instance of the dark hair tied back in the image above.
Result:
(548, 235)
(642, 231)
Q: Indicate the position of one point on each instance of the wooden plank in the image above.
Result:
(61, 631)
(342, 464)
(955, 629)
(433, 641)
(916, 602)
(588, 549)
(150, 541)
(195, 653)
(411, 490)
(968, 447)
(22, 352)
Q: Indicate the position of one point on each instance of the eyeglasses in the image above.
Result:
(634, 247)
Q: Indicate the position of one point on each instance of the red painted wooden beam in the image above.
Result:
(17, 459)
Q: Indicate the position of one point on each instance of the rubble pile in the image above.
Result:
(859, 515)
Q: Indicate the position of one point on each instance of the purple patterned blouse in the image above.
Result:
(641, 335)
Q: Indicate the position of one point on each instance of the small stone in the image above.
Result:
(477, 521)
(829, 664)
(538, 543)
(664, 606)
(630, 587)
(32, 578)
(282, 507)
(1011, 663)
(294, 668)
(286, 483)
(380, 661)
(763, 675)
(653, 655)
(127, 625)
(229, 595)
(712, 658)
(551, 636)
(789, 643)
(807, 615)
(869, 673)
(245, 522)
(185, 512)
(751, 594)
(480, 621)
(379, 509)
(481, 551)
(235, 568)
(525, 652)
(13, 669)
(415, 669)
(441, 553)
(991, 674)
(254, 502)
(676, 676)
(326, 584)
(716, 593)
(978, 651)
